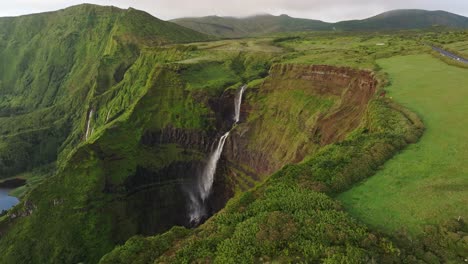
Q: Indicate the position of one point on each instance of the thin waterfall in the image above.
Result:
(88, 132)
(237, 104)
(108, 114)
(197, 206)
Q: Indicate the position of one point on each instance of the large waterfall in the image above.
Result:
(210, 169)
(198, 196)
(197, 208)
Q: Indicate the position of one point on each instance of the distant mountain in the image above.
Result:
(232, 27)
(406, 19)
(133, 23)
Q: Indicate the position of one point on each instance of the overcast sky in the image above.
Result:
(327, 10)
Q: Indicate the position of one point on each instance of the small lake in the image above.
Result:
(6, 201)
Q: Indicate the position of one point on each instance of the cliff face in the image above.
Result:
(289, 217)
(128, 178)
(294, 112)
(55, 67)
(132, 176)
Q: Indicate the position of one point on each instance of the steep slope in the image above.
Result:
(65, 77)
(54, 65)
(406, 19)
(130, 176)
(307, 107)
(290, 218)
(143, 117)
(232, 27)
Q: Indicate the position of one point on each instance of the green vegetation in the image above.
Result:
(289, 218)
(231, 27)
(406, 19)
(33, 179)
(53, 69)
(156, 96)
(426, 183)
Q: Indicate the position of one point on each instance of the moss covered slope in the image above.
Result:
(290, 218)
(54, 65)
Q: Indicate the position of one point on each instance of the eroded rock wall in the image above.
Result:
(294, 112)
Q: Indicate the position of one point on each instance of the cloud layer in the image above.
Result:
(327, 10)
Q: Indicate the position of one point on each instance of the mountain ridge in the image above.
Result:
(399, 19)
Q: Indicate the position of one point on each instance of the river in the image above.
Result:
(6, 201)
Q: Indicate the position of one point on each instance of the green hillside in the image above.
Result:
(406, 19)
(111, 115)
(53, 68)
(430, 175)
(230, 27)
(290, 218)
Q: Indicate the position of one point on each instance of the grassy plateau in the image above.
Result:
(428, 181)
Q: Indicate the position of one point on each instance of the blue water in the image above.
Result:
(6, 201)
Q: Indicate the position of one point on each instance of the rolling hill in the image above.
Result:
(405, 19)
(231, 27)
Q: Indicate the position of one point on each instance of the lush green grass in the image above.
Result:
(293, 111)
(33, 178)
(57, 66)
(133, 72)
(232, 27)
(359, 50)
(289, 218)
(427, 183)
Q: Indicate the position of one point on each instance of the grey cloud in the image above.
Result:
(327, 10)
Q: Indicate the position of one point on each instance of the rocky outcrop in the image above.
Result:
(190, 139)
(348, 90)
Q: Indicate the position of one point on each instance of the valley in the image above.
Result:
(144, 141)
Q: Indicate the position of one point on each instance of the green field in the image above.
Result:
(428, 182)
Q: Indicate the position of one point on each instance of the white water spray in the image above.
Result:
(237, 104)
(197, 206)
(88, 132)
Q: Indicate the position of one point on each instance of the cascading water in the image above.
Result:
(197, 206)
(108, 115)
(210, 169)
(88, 132)
(237, 104)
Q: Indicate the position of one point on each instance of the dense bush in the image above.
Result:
(289, 218)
